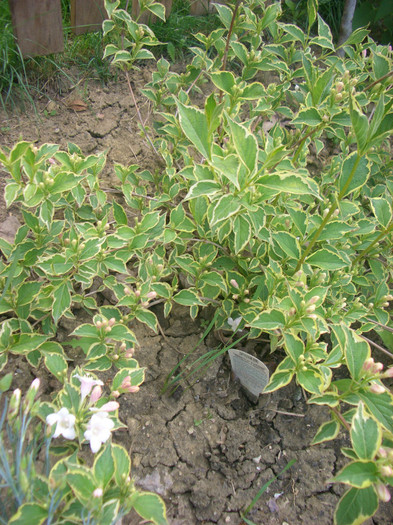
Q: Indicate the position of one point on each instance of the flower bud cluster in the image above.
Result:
(106, 325)
(126, 387)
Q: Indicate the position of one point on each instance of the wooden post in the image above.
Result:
(87, 15)
(37, 26)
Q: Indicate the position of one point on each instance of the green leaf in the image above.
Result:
(380, 406)
(288, 243)
(356, 37)
(245, 143)
(326, 259)
(64, 181)
(122, 463)
(82, 484)
(225, 207)
(223, 80)
(288, 182)
(57, 365)
(381, 65)
(145, 316)
(382, 211)
(269, 320)
(356, 351)
(279, 379)
(194, 125)
(311, 380)
(87, 330)
(359, 474)
(356, 506)
(188, 298)
(366, 435)
(360, 126)
(205, 187)
(150, 507)
(61, 301)
(5, 382)
(29, 513)
(354, 174)
(327, 431)
(11, 193)
(27, 292)
(27, 343)
(119, 214)
(157, 9)
(104, 467)
(309, 116)
(228, 167)
(242, 231)
(142, 54)
(312, 11)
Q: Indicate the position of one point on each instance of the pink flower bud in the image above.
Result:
(378, 367)
(383, 452)
(111, 322)
(375, 388)
(388, 372)
(368, 364)
(133, 389)
(314, 299)
(52, 161)
(364, 53)
(151, 295)
(99, 324)
(383, 493)
(98, 493)
(386, 471)
(234, 283)
(127, 290)
(116, 394)
(108, 329)
(235, 296)
(123, 346)
(130, 352)
(145, 304)
(95, 394)
(111, 406)
(126, 382)
(310, 309)
(137, 293)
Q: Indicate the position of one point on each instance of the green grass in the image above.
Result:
(177, 32)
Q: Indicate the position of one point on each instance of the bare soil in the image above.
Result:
(209, 450)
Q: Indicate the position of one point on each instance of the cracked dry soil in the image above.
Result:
(209, 450)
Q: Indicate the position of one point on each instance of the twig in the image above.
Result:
(341, 418)
(140, 116)
(285, 413)
(375, 345)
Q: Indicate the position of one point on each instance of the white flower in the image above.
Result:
(98, 430)
(64, 423)
(234, 323)
(87, 384)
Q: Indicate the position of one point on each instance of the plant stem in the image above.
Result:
(372, 244)
(370, 86)
(377, 346)
(140, 116)
(224, 60)
(329, 214)
(341, 418)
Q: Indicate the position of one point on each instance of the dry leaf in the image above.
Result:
(77, 104)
